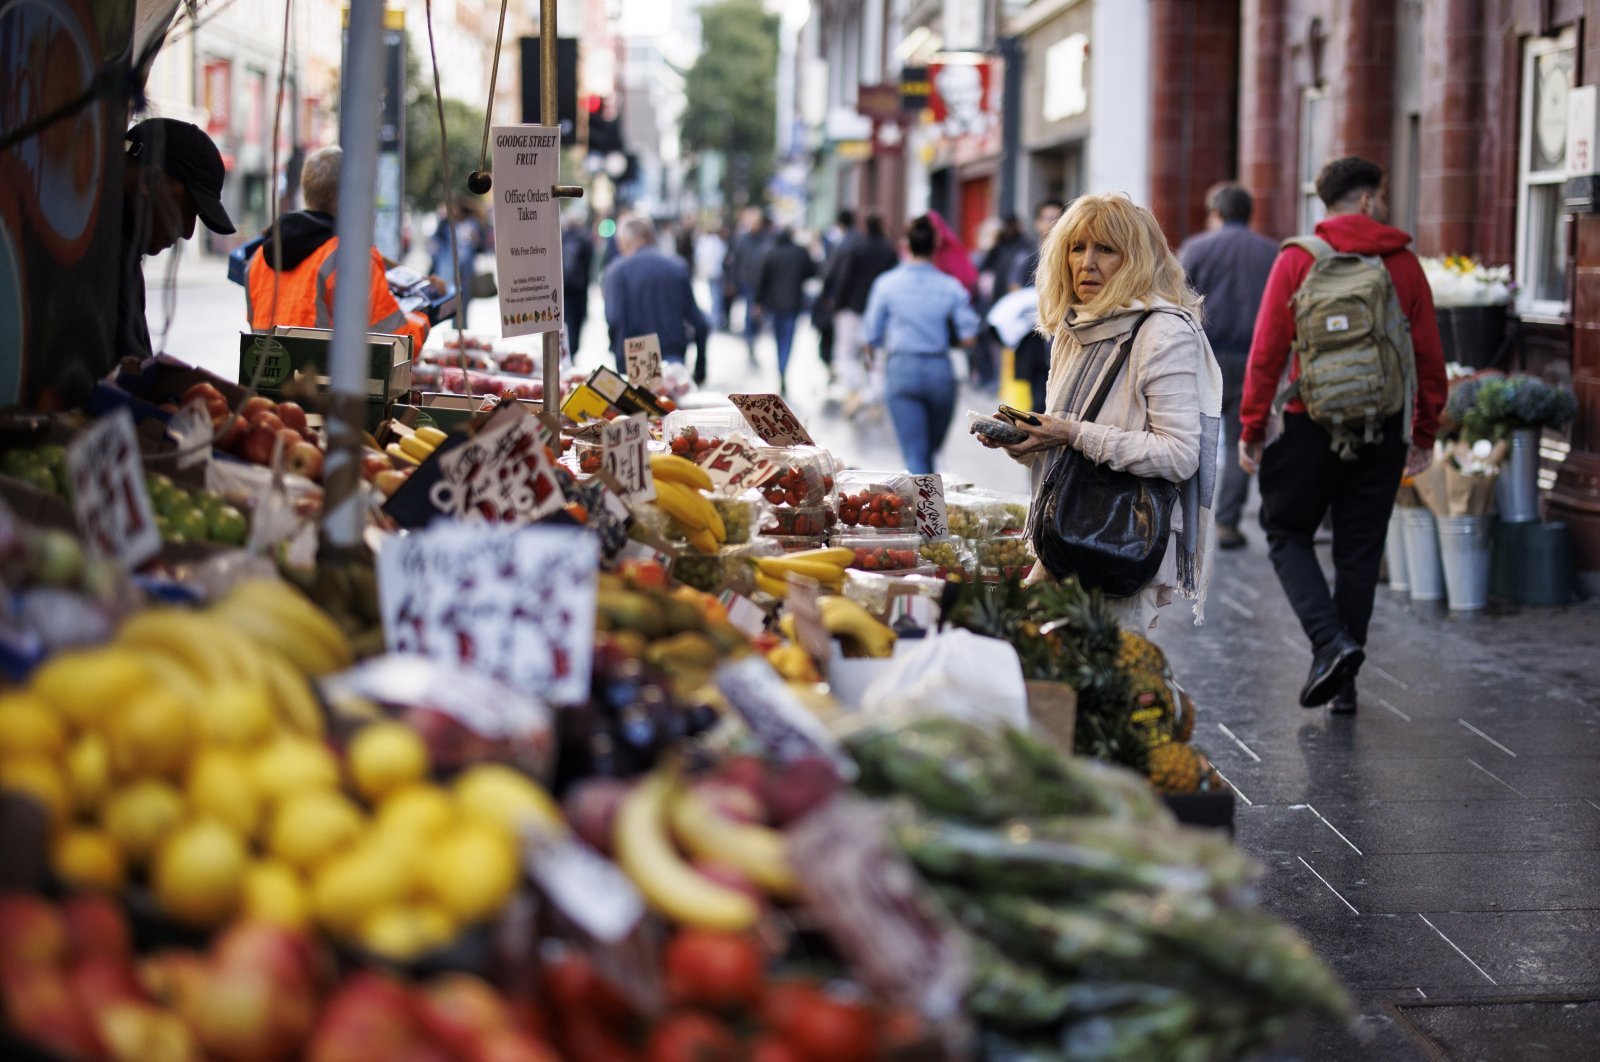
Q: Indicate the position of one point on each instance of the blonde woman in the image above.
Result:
(1105, 266)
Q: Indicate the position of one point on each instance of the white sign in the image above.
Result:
(1583, 131)
(623, 444)
(963, 25)
(734, 467)
(774, 714)
(587, 887)
(1065, 63)
(642, 356)
(503, 475)
(108, 491)
(933, 521)
(483, 704)
(772, 419)
(514, 603)
(527, 226)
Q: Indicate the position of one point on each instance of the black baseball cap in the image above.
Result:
(183, 152)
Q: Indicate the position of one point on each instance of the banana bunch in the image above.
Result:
(417, 447)
(858, 630)
(826, 566)
(658, 811)
(278, 616)
(679, 487)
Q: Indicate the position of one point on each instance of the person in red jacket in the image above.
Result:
(1302, 479)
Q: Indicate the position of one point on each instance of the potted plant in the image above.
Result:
(1470, 300)
(1513, 410)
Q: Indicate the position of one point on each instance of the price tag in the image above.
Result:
(642, 356)
(809, 629)
(933, 522)
(772, 419)
(190, 428)
(502, 475)
(515, 603)
(484, 705)
(623, 444)
(743, 613)
(587, 887)
(108, 492)
(734, 467)
(775, 716)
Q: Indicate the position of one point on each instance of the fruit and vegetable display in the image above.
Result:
(945, 555)
(882, 553)
(804, 477)
(260, 429)
(876, 509)
(812, 522)
(683, 494)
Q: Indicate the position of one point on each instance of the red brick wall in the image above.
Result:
(1267, 142)
(1451, 166)
(1194, 60)
(1363, 80)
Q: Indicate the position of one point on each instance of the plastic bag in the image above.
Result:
(953, 673)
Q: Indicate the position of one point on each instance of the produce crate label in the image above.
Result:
(190, 427)
(735, 467)
(108, 491)
(584, 885)
(773, 420)
(502, 475)
(527, 226)
(775, 716)
(743, 613)
(624, 444)
(515, 603)
(642, 355)
(933, 521)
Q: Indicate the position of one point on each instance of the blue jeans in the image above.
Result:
(922, 399)
(752, 319)
(783, 334)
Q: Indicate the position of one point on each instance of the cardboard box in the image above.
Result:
(305, 352)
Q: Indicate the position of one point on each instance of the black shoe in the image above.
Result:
(1331, 665)
(1230, 537)
(1344, 702)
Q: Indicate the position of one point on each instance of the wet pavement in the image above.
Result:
(1442, 845)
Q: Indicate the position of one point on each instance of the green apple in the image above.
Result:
(55, 558)
(54, 458)
(41, 478)
(164, 525)
(209, 501)
(188, 521)
(228, 526)
(17, 463)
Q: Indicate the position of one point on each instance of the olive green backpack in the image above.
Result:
(1357, 365)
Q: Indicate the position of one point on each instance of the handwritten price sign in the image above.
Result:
(734, 467)
(623, 449)
(108, 492)
(772, 419)
(933, 521)
(514, 603)
(642, 357)
(502, 476)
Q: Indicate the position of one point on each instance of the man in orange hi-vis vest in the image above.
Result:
(304, 295)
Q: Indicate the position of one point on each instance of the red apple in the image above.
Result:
(509, 1045)
(257, 446)
(370, 1018)
(255, 405)
(293, 416)
(291, 959)
(139, 1032)
(303, 458)
(267, 418)
(240, 1014)
(747, 772)
(460, 1012)
(172, 977)
(97, 982)
(34, 932)
(390, 480)
(40, 1008)
(216, 405)
(229, 432)
(373, 462)
(731, 800)
(291, 439)
(95, 926)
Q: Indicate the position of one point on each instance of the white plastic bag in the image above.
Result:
(954, 673)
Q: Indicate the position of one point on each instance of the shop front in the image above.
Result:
(1055, 106)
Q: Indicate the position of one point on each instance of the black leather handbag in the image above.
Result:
(1108, 528)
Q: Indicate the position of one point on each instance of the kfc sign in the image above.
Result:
(963, 99)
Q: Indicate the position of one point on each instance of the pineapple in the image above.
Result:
(1177, 768)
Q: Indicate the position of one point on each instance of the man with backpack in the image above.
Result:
(1356, 410)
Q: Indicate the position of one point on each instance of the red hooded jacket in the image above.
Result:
(1274, 334)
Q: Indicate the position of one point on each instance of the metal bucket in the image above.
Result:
(1516, 489)
(1423, 568)
(1464, 550)
(1394, 552)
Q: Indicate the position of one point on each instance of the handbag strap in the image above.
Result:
(1092, 410)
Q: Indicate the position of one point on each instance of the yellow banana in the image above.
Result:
(844, 617)
(308, 655)
(717, 527)
(184, 637)
(646, 854)
(837, 555)
(432, 436)
(296, 705)
(396, 451)
(291, 622)
(681, 470)
(754, 851)
(415, 447)
(780, 567)
(776, 587)
(703, 540)
(176, 677)
(688, 507)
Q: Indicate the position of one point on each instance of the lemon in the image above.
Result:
(90, 685)
(274, 893)
(40, 779)
(30, 726)
(385, 756)
(419, 811)
(310, 827)
(198, 873)
(349, 887)
(139, 816)
(292, 765)
(88, 859)
(506, 796)
(89, 771)
(401, 932)
(472, 870)
(152, 736)
(219, 786)
(237, 713)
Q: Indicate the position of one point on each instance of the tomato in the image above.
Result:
(712, 969)
(691, 1037)
(771, 1049)
(820, 1027)
(573, 988)
(590, 1039)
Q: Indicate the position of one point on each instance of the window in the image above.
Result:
(1316, 133)
(1547, 75)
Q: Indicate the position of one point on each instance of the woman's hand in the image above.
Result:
(1048, 434)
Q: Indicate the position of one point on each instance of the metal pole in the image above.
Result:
(549, 115)
(1010, 124)
(358, 136)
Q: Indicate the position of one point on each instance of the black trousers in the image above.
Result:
(1302, 480)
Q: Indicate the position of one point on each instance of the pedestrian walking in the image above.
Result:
(1030, 359)
(834, 243)
(994, 267)
(577, 271)
(1329, 311)
(744, 267)
(1228, 265)
(649, 292)
(860, 264)
(1108, 282)
(780, 293)
(912, 313)
(710, 248)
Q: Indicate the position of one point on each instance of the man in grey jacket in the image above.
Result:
(1229, 265)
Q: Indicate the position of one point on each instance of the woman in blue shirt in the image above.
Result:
(913, 314)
